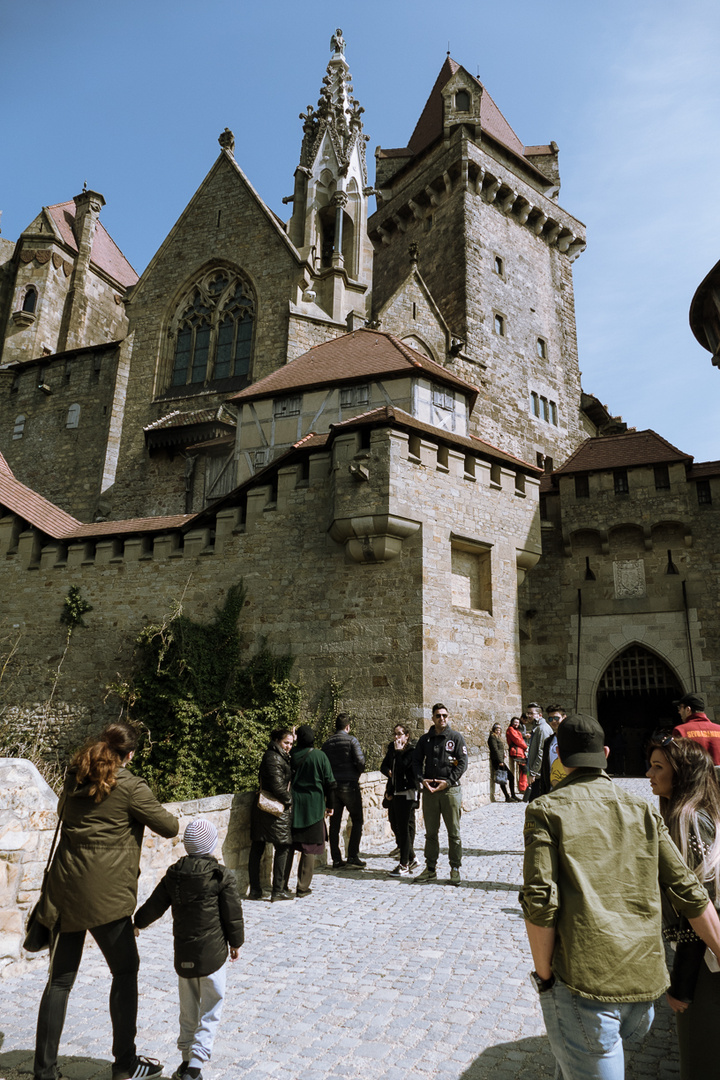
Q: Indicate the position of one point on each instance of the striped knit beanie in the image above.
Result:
(200, 837)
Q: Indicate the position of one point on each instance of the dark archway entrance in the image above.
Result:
(635, 696)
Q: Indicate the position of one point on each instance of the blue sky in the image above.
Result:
(131, 98)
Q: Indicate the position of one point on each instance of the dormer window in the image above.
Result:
(462, 101)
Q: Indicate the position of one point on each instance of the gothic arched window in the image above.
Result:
(30, 299)
(213, 332)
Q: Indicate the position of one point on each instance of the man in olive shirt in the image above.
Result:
(595, 858)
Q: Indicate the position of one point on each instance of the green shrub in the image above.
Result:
(206, 715)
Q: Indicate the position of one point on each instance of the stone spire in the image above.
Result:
(338, 113)
(329, 219)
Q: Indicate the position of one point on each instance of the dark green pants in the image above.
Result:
(448, 806)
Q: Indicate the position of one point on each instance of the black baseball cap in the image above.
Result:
(693, 701)
(580, 742)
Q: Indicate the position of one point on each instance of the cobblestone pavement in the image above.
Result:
(369, 977)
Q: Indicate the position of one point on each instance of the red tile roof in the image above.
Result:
(54, 522)
(187, 419)
(430, 125)
(403, 419)
(101, 529)
(30, 506)
(704, 468)
(353, 357)
(622, 451)
(106, 255)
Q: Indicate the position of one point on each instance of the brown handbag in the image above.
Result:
(269, 804)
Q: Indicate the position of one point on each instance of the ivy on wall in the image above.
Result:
(206, 714)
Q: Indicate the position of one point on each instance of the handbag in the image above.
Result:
(37, 935)
(269, 804)
(501, 774)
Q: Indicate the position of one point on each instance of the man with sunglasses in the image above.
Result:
(439, 760)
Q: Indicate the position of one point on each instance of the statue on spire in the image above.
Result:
(337, 42)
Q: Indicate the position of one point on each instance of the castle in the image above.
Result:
(374, 418)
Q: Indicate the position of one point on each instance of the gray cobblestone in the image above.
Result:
(367, 979)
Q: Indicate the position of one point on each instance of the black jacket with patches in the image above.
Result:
(441, 757)
(206, 909)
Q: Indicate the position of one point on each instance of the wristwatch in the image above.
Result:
(541, 985)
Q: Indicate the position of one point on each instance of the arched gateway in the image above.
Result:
(634, 697)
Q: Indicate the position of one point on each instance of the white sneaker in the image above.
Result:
(400, 871)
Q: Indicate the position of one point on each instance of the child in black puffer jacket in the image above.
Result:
(207, 918)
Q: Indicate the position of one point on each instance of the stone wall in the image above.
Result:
(68, 423)
(28, 821)
(395, 633)
(611, 535)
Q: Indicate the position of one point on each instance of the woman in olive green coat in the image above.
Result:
(92, 885)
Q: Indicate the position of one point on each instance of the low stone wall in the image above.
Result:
(28, 821)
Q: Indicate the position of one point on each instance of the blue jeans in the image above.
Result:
(586, 1036)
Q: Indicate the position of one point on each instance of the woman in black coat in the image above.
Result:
(496, 745)
(402, 795)
(275, 774)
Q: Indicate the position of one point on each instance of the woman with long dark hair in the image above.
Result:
(402, 795)
(92, 885)
(268, 828)
(682, 775)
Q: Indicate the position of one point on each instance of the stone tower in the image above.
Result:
(329, 219)
(479, 213)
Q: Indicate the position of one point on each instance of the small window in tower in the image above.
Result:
(704, 494)
(462, 101)
(19, 428)
(662, 478)
(499, 266)
(582, 486)
(548, 464)
(620, 480)
(30, 300)
(545, 408)
(541, 346)
(553, 413)
(534, 403)
(499, 325)
(73, 416)
(540, 460)
(287, 406)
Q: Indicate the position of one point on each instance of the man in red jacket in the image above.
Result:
(695, 725)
